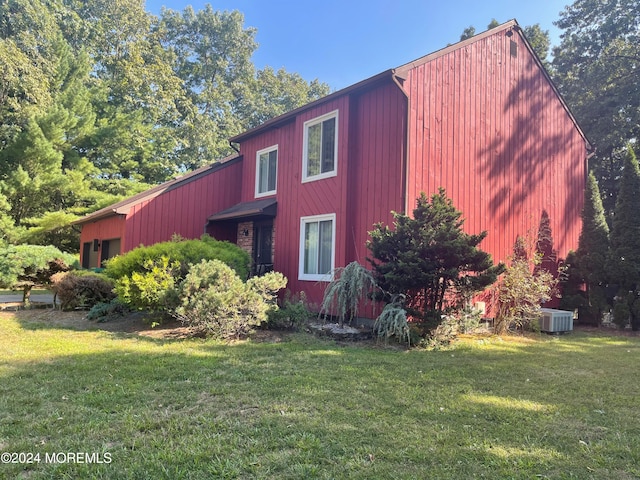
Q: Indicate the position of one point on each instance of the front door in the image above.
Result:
(262, 247)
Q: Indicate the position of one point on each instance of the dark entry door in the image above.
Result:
(262, 248)
(86, 255)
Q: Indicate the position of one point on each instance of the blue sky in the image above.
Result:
(347, 41)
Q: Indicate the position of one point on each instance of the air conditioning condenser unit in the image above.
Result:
(555, 321)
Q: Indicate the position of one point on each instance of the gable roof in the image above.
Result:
(290, 115)
(401, 72)
(122, 207)
(510, 26)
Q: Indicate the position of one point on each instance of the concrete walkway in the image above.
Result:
(35, 298)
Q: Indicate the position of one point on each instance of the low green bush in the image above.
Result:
(103, 312)
(81, 289)
(217, 303)
(153, 289)
(292, 314)
(185, 252)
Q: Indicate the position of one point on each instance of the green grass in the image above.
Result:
(35, 291)
(562, 407)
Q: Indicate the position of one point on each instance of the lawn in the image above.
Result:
(35, 291)
(300, 407)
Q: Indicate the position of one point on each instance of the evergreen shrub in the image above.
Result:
(185, 252)
(103, 312)
(291, 315)
(215, 301)
(430, 259)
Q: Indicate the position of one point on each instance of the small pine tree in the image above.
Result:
(29, 265)
(430, 259)
(625, 238)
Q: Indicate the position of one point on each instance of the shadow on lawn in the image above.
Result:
(138, 323)
(198, 409)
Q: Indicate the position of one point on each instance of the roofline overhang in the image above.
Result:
(122, 207)
(257, 208)
(290, 116)
(511, 25)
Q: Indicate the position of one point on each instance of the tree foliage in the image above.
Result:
(430, 259)
(624, 261)
(597, 68)
(100, 99)
(25, 266)
(589, 264)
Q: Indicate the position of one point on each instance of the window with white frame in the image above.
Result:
(317, 247)
(320, 155)
(266, 171)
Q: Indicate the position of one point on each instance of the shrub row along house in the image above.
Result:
(480, 118)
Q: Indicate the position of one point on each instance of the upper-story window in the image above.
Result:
(266, 171)
(320, 155)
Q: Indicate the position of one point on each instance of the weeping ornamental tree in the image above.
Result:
(430, 259)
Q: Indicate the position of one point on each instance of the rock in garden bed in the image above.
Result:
(345, 332)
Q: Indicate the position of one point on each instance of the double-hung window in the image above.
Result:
(317, 247)
(320, 155)
(266, 171)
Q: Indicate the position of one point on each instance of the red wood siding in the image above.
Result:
(489, 128)
(376, 178)
(369, 183)
(183, 210)
(105, 229)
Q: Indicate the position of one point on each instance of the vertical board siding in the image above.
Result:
(296, 199)
(489, 128)
(486, 126)
(105, 229)
(368, 184)
(184, 209)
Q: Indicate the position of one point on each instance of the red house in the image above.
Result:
(480, 118)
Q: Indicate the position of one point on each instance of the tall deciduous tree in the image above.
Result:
(540, 42)
(212, 55)
(597, 68)
(429, 258)
(625, 239)
(99, 99)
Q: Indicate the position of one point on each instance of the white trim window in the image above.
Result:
(266, 171)
(320, 144)
(317, 247)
